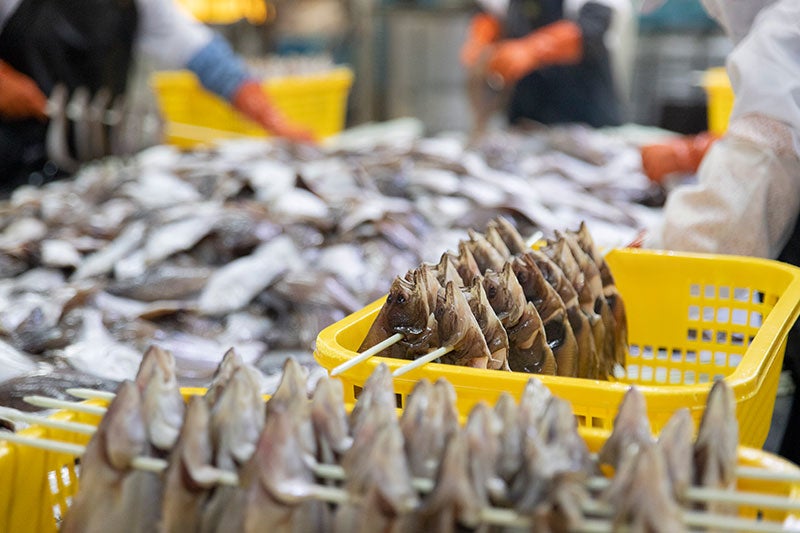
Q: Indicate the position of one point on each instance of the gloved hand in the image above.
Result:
(20, 97)
(559, 43)
(251, 101)
(682, 154)
(484, 30)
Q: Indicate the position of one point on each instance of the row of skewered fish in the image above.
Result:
(503, 306)
(421, 472)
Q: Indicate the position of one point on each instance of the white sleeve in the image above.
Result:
(765, 67)
(168, 34)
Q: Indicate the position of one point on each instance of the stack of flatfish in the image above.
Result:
(421, 472)
(503, 306)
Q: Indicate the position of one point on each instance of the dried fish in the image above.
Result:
(631, 430)
(492, 328)
(459, 329)
(675, 443)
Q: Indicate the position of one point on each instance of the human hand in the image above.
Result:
(20, 97)
(251, 100)
(484, 29)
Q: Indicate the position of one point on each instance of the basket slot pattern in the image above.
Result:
(720, 323)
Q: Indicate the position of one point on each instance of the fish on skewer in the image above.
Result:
(459, 328)
(529, 350)
(675, 444)
(631, 430)
(230, 362)
(512, 239)
(486, 256)
(106, 496)
(329, 418)
(466, 265)
(190, 475)
(492, 328)
(588, 363)
(407, 311)
(558, 331)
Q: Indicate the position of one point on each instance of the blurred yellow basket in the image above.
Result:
(195, 116)
(691, 318)
(720, 99)
(37, 486)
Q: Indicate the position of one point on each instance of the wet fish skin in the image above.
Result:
(486, 256)
(675, 444)
(491, 326)
(715, 449)
(120, 436)
(163, 404)
(631, 430)
(459, 328)
(406, 311)
(329, 418)
(641, 496)
(189, 478)
(554, 313)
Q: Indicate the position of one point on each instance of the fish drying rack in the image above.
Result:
(38, 484)
(692, 318)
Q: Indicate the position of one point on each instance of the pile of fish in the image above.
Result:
(259, 245)
(303, 463)
(503, 306)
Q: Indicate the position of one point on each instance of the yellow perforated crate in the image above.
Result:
(195, 116)
(691, 318)
(36, 487)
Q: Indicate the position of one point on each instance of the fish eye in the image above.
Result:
(492, 292)
(389, 299)
(401, 299)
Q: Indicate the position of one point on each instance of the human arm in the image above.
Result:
(747, 197)
(564, 42)
(178, 41)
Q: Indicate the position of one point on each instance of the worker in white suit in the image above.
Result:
(747, 197)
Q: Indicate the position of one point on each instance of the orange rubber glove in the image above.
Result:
(20, 97)
(559, 43)
(682, 154)
(251, 100)
(483, 31)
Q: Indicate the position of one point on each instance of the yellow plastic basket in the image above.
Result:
(691, 318)
(195, 116)
(36, 487)
(720, 99)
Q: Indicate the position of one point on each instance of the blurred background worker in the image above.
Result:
(747, 198)
(555, 56)
(89, 44)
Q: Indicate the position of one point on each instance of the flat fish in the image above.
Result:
(459, 328)
(552, 312)
(406, 311)
(528, 347)
(102, 262)
(492, 328)
(588, 364)
(189, 476)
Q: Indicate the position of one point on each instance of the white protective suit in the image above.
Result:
(747, 198)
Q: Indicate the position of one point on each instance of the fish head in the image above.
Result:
(163, 403)
(237, 419)
(406, 306)
(123, 427)
(465, 263)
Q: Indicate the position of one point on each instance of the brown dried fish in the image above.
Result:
(466, 265)
(486, 256)
(446, 271)
(553, 313)
(407, 312)
(491, 327)
(459, 328)
(511, 237)
(496, 240)
(528, 347)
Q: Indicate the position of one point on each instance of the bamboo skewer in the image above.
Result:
(425, 359)
(495, 516)
(91, 394)
(366, 354)
(596, 483)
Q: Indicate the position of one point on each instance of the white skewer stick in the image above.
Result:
(366, 354)
(424, 360)
(52, 403)
(91, 394)
(533, 239)
(75, 427)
